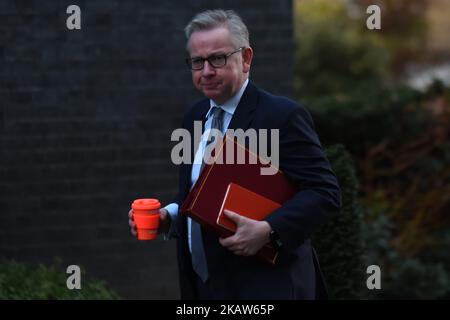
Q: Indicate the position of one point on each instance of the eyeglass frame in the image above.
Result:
(226, 56)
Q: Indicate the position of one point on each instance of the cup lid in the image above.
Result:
(146, 204)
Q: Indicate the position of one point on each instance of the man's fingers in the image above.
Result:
(228, 242)
(131, 223)
(241, 252)
(231, 243)
(232, 215)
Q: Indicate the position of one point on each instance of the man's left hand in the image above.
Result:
(251, 235)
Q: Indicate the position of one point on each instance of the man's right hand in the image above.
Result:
(164, 222)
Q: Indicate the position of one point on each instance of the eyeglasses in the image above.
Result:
(216, 61)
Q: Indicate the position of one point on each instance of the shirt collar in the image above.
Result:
(231, 104)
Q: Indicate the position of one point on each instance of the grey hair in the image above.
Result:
(211, 19)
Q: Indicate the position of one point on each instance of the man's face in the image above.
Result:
(219, 84)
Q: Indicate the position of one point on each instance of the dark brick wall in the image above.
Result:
(86, 118)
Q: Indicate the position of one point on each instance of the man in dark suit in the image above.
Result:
(213, 268)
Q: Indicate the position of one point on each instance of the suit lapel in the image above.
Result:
(245, 110)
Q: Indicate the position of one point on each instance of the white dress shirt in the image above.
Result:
(229, 107)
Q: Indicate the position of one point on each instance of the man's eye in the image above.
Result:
(216, 58)
(196, 60)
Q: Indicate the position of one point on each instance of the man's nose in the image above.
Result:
(208, 70)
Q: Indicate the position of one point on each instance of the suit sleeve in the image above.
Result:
(303, 160)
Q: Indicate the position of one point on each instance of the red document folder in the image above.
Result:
(204, 202)
(246, 203)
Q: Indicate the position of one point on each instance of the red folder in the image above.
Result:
(246, 203)
(204, 202)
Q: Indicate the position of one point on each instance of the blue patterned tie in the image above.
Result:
(198, 252)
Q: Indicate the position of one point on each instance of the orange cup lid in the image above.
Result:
(146, 204)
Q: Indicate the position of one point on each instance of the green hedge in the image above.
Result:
(399, 140)
(370, 116)
(21, 282)
(339, 242)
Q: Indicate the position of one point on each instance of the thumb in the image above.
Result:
(236, 218)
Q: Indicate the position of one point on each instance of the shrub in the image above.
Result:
(18, 281)
(403, 276)
(398, 139)
(339, 242)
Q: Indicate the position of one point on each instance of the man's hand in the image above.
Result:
(164, 222)
(251, 235)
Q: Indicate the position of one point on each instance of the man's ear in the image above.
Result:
(247, 57)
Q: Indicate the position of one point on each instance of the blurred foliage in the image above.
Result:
(334, 53)
(399, 142)
(339, 242)
(403, 277)
(404, 29)
(397, 137)
(21, 282)
(337, 54)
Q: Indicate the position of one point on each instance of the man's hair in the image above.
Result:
(211, 19)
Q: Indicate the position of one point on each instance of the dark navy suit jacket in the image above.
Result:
(297, 274)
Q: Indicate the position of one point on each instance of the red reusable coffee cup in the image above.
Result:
(146, 218)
